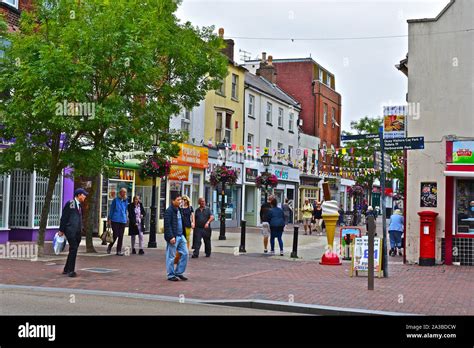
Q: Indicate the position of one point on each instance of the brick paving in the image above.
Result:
(440, 290)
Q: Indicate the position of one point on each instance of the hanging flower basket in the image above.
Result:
(356, 191)
(266, 180)
(155, 166)
(222, 174)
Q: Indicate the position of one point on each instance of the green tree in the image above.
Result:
(364, 149)
(132, 63)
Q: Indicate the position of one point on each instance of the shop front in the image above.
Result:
(251, 202)
(344, 198)
(309, 190)
(120, 176)
(288, 183)
(232, 197)
(458, 244)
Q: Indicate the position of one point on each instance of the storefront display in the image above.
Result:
(465, 206)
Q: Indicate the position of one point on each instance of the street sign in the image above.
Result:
(394, 122)
(415, 143)
(378, 162)
(359, 137)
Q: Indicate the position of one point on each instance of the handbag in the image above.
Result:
(59, 243)
(107, 236)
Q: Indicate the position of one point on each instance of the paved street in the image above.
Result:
(440, 290)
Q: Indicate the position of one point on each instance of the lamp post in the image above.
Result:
(152, 239)
(223, 147)
(266, 163)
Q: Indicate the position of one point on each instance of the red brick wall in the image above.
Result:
(11, 15)
(296, 79)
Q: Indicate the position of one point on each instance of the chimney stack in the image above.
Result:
(229, 49)
(267, 69)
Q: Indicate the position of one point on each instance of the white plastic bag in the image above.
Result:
(59, 242)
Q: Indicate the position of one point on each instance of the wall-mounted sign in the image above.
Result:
(251, 174)
(429, 195)
(463, 152)
(190, 155)
(179, 173)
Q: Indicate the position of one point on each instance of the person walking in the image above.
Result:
(276, 219)
(188, 216)
(395, 231)
(175, 239)
(286, 211)
(71, 226)
(318, 218)
(136, 215)
(369, 212)
(202, 231)
(264, 209)
(118, 220)
(307, 216)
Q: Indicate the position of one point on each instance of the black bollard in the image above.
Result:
(243, 223)
(294, 253)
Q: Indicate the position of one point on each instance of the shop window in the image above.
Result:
(41, 186)
(465, 206)
(3, 182)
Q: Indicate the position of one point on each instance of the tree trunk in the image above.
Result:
(46, 207)
(91, 216)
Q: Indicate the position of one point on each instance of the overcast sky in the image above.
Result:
(364, 69)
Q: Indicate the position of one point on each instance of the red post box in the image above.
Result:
(427, 237)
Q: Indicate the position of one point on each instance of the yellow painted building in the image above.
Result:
(224, 118)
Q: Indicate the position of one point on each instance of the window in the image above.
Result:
(464, 206)
(333, 153)
(325, 114)
(320, 75)
(13, 3)
(235, 86)
(328, 80)
(221, 89)
(251, 105)
(186, 121)
(280, 147)
(291, 120)
(250, 140)
(280, 117)
(333, 117)
(325, 151)
(268, 144)
(290, 152)
(269, 113)
(223, 127)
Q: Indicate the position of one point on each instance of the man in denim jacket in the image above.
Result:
(175, 240)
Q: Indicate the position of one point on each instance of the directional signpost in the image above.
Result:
(359, 137)
(415, 143)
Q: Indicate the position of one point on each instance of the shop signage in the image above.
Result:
(251, 174)
(286, 174)
(122, 174)
(463, 152)
(193, 156)
(179, 173)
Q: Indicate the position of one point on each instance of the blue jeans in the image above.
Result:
(181, 247)
(276, 232)
(395, 239)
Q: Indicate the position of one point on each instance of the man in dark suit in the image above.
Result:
(71, 226)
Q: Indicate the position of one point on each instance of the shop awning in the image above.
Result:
(459, 170)
(125, 165)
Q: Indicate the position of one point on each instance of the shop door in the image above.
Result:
(251, 206)
(279, 194)
(290, 195)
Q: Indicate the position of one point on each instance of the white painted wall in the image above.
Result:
(440, 79)
(196, 128)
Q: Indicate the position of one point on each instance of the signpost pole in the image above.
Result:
(371, 239)
(384, 209)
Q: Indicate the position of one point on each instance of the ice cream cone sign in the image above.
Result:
(330, 217)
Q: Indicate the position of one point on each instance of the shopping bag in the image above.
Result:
(107, 236)
(59, 243)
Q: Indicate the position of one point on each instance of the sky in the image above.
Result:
(364, 70)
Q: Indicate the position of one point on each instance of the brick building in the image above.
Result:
(315, 88)
(11, 11)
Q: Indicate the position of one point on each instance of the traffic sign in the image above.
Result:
(359, 137)
(378, 162)
(414, 143)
